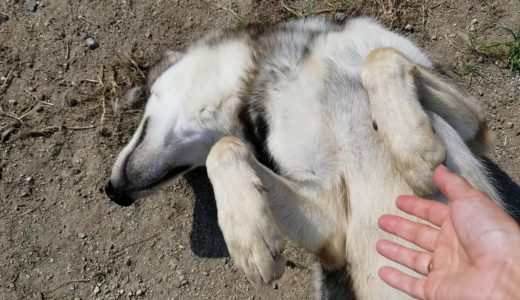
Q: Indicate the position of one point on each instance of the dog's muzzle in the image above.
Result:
(118, 196)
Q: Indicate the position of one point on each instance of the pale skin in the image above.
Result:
(472, 245)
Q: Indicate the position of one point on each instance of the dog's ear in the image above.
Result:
(168, 59)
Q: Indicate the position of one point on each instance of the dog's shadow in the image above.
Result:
(207, 240)
(508, 189)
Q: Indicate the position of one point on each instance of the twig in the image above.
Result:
(67, 283)
(24, 213)
(80, 127)
(7, 81)
(30, 93)
(12, 116)
(291, 9)
(120, 251)
(67, 51)
(103, 106)
(88, 21)
(228, 9)
(90, 80)
(46, 103)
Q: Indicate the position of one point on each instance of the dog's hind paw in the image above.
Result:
(417, 161)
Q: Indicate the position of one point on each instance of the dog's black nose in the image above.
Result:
(118, 196)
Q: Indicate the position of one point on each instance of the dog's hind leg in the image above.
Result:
(254, 203)
(400, 119)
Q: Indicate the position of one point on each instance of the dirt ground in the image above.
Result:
(60, 237)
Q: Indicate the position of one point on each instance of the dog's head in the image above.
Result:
(191, 104)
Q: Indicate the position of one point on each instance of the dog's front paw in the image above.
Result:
(256, 249)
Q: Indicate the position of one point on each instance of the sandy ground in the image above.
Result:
(60, 237)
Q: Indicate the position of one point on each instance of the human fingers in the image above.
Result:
(412, 259)
(412, 286)
(432, 211)
(451, 185)
(421, 235)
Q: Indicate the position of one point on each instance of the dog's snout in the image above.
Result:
(118, 196)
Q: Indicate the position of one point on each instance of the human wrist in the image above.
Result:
(507, 285)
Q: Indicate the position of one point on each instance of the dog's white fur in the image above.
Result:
(354, 122)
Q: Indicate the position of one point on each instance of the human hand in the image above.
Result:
(471, 252)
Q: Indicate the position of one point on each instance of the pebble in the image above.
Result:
(97, 290)
(30, 6)
(474, 21)
(340, 16)
(12, 102)
(3, 18)
(105, 132)
(128, 261)
(434, 37)
(82, 235)
(72, 102)
(408, 27)
(91, 43)
(139, 292)
(510, 124)
(29, 179)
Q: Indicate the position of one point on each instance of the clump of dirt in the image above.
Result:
(63, 119)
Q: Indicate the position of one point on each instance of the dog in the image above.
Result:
(309, 130)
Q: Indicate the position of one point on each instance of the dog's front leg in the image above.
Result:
(253, 203)
(252, 237)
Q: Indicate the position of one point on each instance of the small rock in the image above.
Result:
(121, 292)
(105, 132)
(340, 16)
(3, 18)
(12, 102)
(91, 43)
(3, 78)
(39, 108)
(434, 37)
(139, 292)
(408, 27)
(72, 102)
(29, 179)
(97, 290)
(148, 35)
(472, 28)
(7, 133)
(480, 59)
(81, 235)
(128, 261)
(481, 93)
(474, 21)
(510, 124)
(30, 6)
(26, 193)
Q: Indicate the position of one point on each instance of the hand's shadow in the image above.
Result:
(508, 189)
(206, 239)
